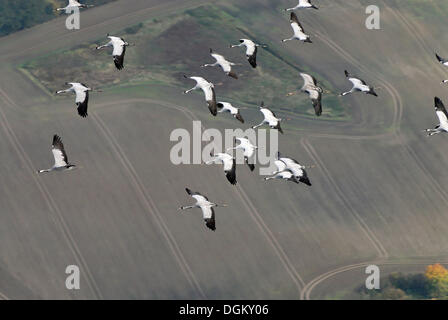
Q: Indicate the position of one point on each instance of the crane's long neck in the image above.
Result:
(218, 205)
(187, 207)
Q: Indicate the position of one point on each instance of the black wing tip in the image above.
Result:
(438, 103)
(212, 106)
(233, 75)
(211, 226)
(279, 128)
(118, 65)
(231, 175)
(306, 181)
(239, 117)
(56, 139)
(83, 114)
(83, 107)
(188, 191)
(347, 74)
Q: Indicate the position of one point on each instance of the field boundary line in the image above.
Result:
(362, 224)
(51, 203)
(149, 203)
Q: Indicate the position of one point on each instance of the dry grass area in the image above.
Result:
(170, 47)
(378, 185)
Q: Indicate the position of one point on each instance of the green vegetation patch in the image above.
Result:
(425, 9)
(167, 48)
(433, 284)
(16, 15)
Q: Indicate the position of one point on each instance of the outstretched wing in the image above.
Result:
(209, 217)
(239, 117)
(250, 165)
(230, 170)
(60, 157)
(118, 55)
(82, 103)
(278, 127)
(210, 97)
(355, 81)
(196, 195)
(252, 58)
(268, 113)
(304, 178)
(308, 79)
(440, 110)
(441, 60)
(316, 98)
(281, 166)
(295, 23)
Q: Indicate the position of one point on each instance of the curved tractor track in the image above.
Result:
(149, 203)
(398, 114)
(3, 296)
(306, 292)
(396, 122)
(363, 226)
(304, 288)
(250, 207)
(49, 200)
